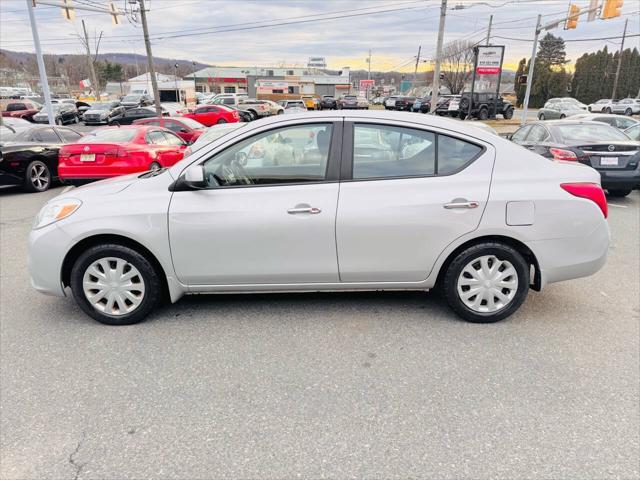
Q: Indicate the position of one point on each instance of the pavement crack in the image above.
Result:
(72, 461)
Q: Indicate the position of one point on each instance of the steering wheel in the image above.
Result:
(234, 174)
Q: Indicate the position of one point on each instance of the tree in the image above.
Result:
(521, 88)
(457, 64)
(551, 52)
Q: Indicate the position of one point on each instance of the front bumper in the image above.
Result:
(47, 248)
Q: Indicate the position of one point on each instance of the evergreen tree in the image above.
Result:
(551, 52)
(521, 88)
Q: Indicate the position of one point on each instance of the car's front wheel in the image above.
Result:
(486, 282)
(508, 114)
(628, 112)
(541, 116)
(607, 110)
(115, 284)
(221, 121)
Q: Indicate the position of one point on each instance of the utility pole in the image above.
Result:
(152, 72)
(43, 72)
(489, 29)
(435, 86)
(615, 81)
(415, 71)
(530, 74)
(369, 62)
(92, 70)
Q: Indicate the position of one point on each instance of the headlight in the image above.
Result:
(56, 210)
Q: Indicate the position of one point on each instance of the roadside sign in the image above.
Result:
(364, 84)
(489, 60)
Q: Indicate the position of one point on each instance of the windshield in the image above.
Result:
(349, 97)
(295, 105)
(131, 98)
(582, 132)
(100, 106)
(114, 135)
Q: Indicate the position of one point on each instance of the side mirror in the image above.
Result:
(194, 177)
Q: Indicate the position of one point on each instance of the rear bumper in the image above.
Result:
(622, 180)
(571, 257)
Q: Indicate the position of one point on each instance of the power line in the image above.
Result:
(566, 40)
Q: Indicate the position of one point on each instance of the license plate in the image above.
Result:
(609, 161)
(453, 106)
(87, 157)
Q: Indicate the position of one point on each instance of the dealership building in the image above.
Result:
(270, 82)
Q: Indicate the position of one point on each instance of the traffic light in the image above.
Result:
(572, 18)
(611, 8)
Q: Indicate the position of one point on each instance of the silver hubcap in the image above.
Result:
(113, 286)
(487, 284)
(39, 176)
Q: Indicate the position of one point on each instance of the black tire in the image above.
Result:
(618, 193)
(37, 177)
(501, 252)
(508, 115)
(541, 116)
(114, 124)
(59, 121)
(563, 116)
(607, 110)
(280, 112)
(221, 121)
(152, 283)
(628, 112)
(483, 114)
(253, 115)
(155, 166)
(462, 115)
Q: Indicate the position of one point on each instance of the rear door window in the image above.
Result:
(156, 137)
(46, 135)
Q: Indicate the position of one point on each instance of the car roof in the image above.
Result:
(407, 118)
(568, 121)
(604, 115)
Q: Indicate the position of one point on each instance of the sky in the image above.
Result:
(274, 32)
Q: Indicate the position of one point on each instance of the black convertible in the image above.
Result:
(30, 158)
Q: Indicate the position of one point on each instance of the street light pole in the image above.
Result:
(615, 81)
(43, 72)
(435, 86)
(532, 62)
(147, 44)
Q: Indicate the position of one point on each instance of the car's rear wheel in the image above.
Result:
(115, 284)
(483, 114)
(155, 166)
(508, 115)
(486, 282)
(628, 112)
(607, 110)
(37, 177)
(618, 193)
(541, 116)
(114, 124)
(221, 121)
(562, 116)
(59, 121)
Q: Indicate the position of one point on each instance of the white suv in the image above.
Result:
(627, 106)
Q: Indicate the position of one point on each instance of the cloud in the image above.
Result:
(184, 29)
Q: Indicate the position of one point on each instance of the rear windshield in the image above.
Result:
(189, 122)
(100, 106)
(590, 133)
(295, 105)
(110, 135)
(131, 98)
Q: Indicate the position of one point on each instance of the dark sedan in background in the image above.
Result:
(62, 112)
(611, 152)
(102, 112)
(127, 117)
(404, 103)
(422, 105)
(328, 103)
(30, 158)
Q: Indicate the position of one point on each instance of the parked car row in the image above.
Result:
(625, 106)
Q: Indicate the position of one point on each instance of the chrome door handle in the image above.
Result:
(453, 205)
(311, 210)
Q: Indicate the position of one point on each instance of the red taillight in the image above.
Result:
(590, 191)
(564, 155)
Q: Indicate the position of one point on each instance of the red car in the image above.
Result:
(23, 109)
(186, 128)
(213, 114)
(113, 151)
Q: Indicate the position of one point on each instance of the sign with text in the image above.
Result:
(489, 60)
(364, 84)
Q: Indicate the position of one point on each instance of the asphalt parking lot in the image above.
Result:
(367, 385)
